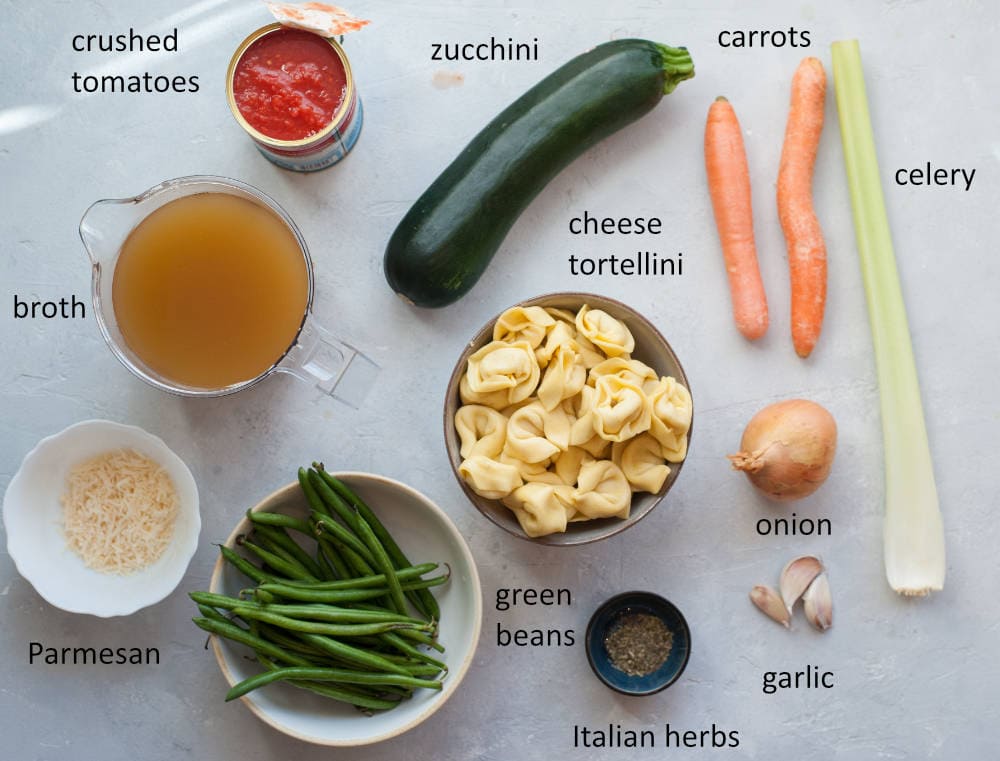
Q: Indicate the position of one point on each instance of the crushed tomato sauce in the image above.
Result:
(289, 84)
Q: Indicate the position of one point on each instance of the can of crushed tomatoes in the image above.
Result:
(293, 92)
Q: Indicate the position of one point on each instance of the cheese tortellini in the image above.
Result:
(482, 430)
(529, 324)
(621, 409)
(509, 370)
(561, 424)
(604, 331)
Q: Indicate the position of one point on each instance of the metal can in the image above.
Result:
(317, 151)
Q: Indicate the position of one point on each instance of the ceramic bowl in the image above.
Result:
(604, 620)
(424, 533)
(32, 515)
(650, 347)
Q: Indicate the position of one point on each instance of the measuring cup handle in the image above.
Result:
(337, 368)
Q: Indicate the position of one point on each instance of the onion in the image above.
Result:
(788, 449)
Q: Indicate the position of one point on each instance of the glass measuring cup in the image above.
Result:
(314, 354)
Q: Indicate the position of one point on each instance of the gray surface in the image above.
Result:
(915, 679)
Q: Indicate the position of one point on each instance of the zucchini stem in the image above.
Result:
(677, 66)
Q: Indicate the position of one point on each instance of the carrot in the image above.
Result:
(729, 186)
(803, 236)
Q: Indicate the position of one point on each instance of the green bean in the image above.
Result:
(423, 669)
(405, 647)
(209, 612)
(244, 637)
(278, 563)
(326, 570)
(311, 496)
(315, 612)
(353, 695)
(264, 540)
(326, 524)
(320, 612)
(351, 654)
(332, 500)
(377, 580)
(216, 600)
(357, 565)
(280, 520)
(343, 595)
(261, 613)
(331, 554)
(263, 597)
(422, 637)
(421, 598)
(281, 539)
(383, 563)
(245, 567)
(286, 640)
(343, 676)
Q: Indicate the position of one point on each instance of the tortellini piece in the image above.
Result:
(523, 324)
(529, 470)
(560, 333)
(671, 404)
(496, 400)
(561, 424)
(631, 370)
(504, 367)
(542, 509)
(563, 331)
(568, 464)
(535, 434)
(621, 409)
(482, 430)
(602, 491)
(488, 477)
(642, 462)
(608, 334)
(564, 377)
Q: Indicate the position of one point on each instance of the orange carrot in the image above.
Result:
(803, 236)
(729, 186)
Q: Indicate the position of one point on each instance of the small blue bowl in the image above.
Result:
(604, 620)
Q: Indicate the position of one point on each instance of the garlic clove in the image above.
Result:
(818, 603)
(796, 577)
(771, 604)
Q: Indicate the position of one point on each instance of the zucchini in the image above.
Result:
(444, 243)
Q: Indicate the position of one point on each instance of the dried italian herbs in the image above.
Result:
(638, 643)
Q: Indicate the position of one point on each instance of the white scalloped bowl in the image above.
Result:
(32, 516)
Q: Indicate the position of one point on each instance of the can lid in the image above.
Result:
(327, 20)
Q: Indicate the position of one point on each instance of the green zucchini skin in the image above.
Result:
(448, 237)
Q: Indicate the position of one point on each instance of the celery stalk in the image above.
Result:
(914, 534)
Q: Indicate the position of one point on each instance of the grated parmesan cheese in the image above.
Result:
(119, 511)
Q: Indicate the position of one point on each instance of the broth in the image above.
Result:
(209, 290)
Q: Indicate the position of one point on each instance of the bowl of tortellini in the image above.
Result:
(567, 418)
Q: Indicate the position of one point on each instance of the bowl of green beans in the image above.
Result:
(344, 609)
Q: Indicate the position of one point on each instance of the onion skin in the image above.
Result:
(787, 449)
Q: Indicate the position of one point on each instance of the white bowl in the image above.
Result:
(425, 533)
(32, 516)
